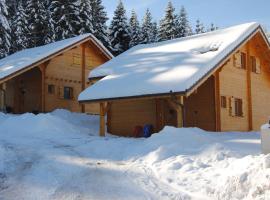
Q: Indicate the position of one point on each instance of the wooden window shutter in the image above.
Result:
(232, 106)
(241, 107)
(258, 66)
(223, 101)
(237, 59)
(243, 60)
(61, 92)
(252, 61)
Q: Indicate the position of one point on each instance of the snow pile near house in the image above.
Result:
(59, 156)
(165, 67)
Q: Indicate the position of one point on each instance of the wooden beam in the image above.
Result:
(102, 120)
(249, 93)
(109, 117)
(83, 68)
(159, 114)
(42, 68)
(177, 105)
(217, 101)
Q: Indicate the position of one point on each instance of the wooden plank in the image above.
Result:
(249, 94)
(217, 101)
(42, 68)
(109, 117)
(83, 72)
(159, 114)
(102, 120)
(178, 107)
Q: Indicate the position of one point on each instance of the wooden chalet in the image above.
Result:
(217, 81)
(49, 77)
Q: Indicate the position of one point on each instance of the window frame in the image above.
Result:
(51, 89)
(69, 95)
(238, 106)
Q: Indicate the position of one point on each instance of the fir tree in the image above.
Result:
(5, 30)
(85, 25)
(199, 27)
(65, 19)
(119, 30)
(167, 28)
(135, 30)
(183, 28)
(20, 29)
(154, 32)
(213, 27)
(99, 20)
(147, 28)
(37, 19)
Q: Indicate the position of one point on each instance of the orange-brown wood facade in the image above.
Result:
(203, 107)
(29, 92)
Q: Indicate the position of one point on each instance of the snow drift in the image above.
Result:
(59, 156)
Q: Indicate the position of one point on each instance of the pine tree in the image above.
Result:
(147, 28)
(37, 22)
(5, 30)
(119, 30)
(183, 28)
(65, 19)
(135, 30)
(199, 27)
(85, 25)
(20, 29)
(213, 27)
(99, 20)
(12, 8)
(154, 33)
(167, 28)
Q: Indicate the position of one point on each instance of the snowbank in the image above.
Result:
(59, 156)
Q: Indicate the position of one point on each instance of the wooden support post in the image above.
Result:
(102, 120)
(42, 68)
(217, 101)
(177, 105)
(83, 62)
(109, 115)
(249, 93)
(159, 114)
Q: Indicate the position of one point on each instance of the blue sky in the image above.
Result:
(223, 13)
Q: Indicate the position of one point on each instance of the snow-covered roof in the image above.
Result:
(29, 57)
(165, 67)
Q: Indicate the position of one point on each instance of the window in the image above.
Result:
(253, 63)
(243, 60)
(51, 89)
(68, 93)
(223, 101)
(238, 107)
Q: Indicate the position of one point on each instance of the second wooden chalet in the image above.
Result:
(52, 76)
(217, 81)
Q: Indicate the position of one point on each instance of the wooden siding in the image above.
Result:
(200, 107)
(24, 91)
(125, 115)
(233, 83)
(252, 88)
(66, 71)
(260, 84)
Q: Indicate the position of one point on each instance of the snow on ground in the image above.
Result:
(59, 156)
